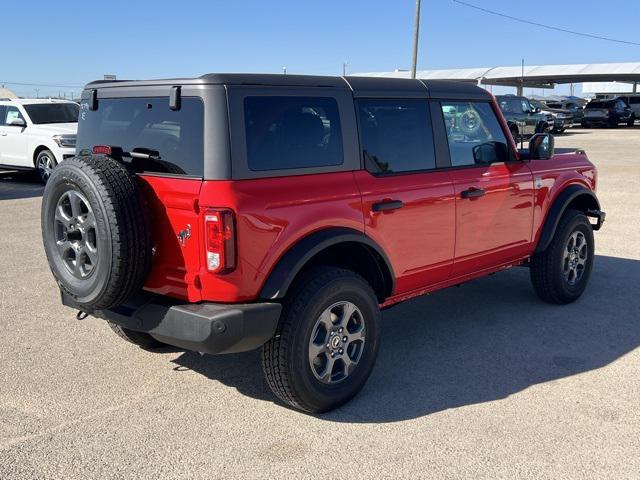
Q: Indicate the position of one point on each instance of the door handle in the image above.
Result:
(3, 134)
(387, 205)
(473, 192)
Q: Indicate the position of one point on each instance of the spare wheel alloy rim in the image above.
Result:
(75, 234)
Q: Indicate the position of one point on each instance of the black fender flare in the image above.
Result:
(564, 199)
(290, 264)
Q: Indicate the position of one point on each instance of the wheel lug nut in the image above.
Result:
(344, 339)
(341, 351)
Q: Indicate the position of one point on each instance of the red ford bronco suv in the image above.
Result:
(235, 211)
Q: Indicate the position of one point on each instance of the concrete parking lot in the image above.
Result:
(481, 381)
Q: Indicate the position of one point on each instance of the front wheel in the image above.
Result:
(326, 343)
(45, 162)
(561, 272)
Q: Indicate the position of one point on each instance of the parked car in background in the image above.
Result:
(559, 119)
(235, 211)
(523, 118)
(633, 100)
(574, 107)
(37, 134)
(609, 113)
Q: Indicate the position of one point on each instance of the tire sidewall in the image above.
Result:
(320, 396)
(578, 223)
(83, 291)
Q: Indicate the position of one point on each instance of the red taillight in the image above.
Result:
(219, 227)
(102, 150)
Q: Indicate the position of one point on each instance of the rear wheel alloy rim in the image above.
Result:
(575, 258)
(75, 234)
(337, 342)
(45, 165)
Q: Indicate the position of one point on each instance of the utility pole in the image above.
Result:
(416, 33)
(344, 68)
(37, 92)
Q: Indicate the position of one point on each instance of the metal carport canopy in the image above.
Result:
(538, 76)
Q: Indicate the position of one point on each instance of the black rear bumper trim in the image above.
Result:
(202, 327)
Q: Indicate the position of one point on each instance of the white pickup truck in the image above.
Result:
(37, 133)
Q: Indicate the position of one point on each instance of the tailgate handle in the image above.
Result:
(387, 205)
(473, 192)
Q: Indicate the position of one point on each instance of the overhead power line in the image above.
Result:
(549, 27)
(40, 85)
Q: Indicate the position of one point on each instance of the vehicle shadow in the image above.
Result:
(15, 185)
(477, 343)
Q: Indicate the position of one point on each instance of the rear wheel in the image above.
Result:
(45, 162)
(560, 273)
(326, 343)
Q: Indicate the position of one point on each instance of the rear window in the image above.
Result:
(42, 113)
(600, 104)
(292, 132)
(148, 123)
(396, 135)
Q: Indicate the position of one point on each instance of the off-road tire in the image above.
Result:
(121, 229)
(141, 339)
(285, 360)
(546, 270)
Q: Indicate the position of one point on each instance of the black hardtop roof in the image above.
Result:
(361, 86)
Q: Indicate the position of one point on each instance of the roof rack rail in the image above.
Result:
(6, 99)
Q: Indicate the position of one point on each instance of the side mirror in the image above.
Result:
(541, 146)
(17, 122)
(536, 110)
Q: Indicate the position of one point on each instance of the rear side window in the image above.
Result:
(396, 135)
(292, 132)
(148, 123)
(471, 125)
(634, 100)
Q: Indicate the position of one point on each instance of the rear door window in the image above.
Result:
(293, 132)
(396, 135)
(148, 123)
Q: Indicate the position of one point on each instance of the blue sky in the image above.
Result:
(72, 42)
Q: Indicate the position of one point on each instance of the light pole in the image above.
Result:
(284, 70)
(416, 32)
(344, 68)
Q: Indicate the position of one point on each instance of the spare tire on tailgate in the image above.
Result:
(95, 230)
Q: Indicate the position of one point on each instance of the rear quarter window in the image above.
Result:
(294, 132)
(148, 123)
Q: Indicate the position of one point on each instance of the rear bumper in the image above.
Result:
(201, 327)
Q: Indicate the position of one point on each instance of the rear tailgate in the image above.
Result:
(176, 228)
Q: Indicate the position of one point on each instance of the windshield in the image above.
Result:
(148, 123)
(41, 113)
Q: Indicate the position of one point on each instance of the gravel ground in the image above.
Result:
(481, 381)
